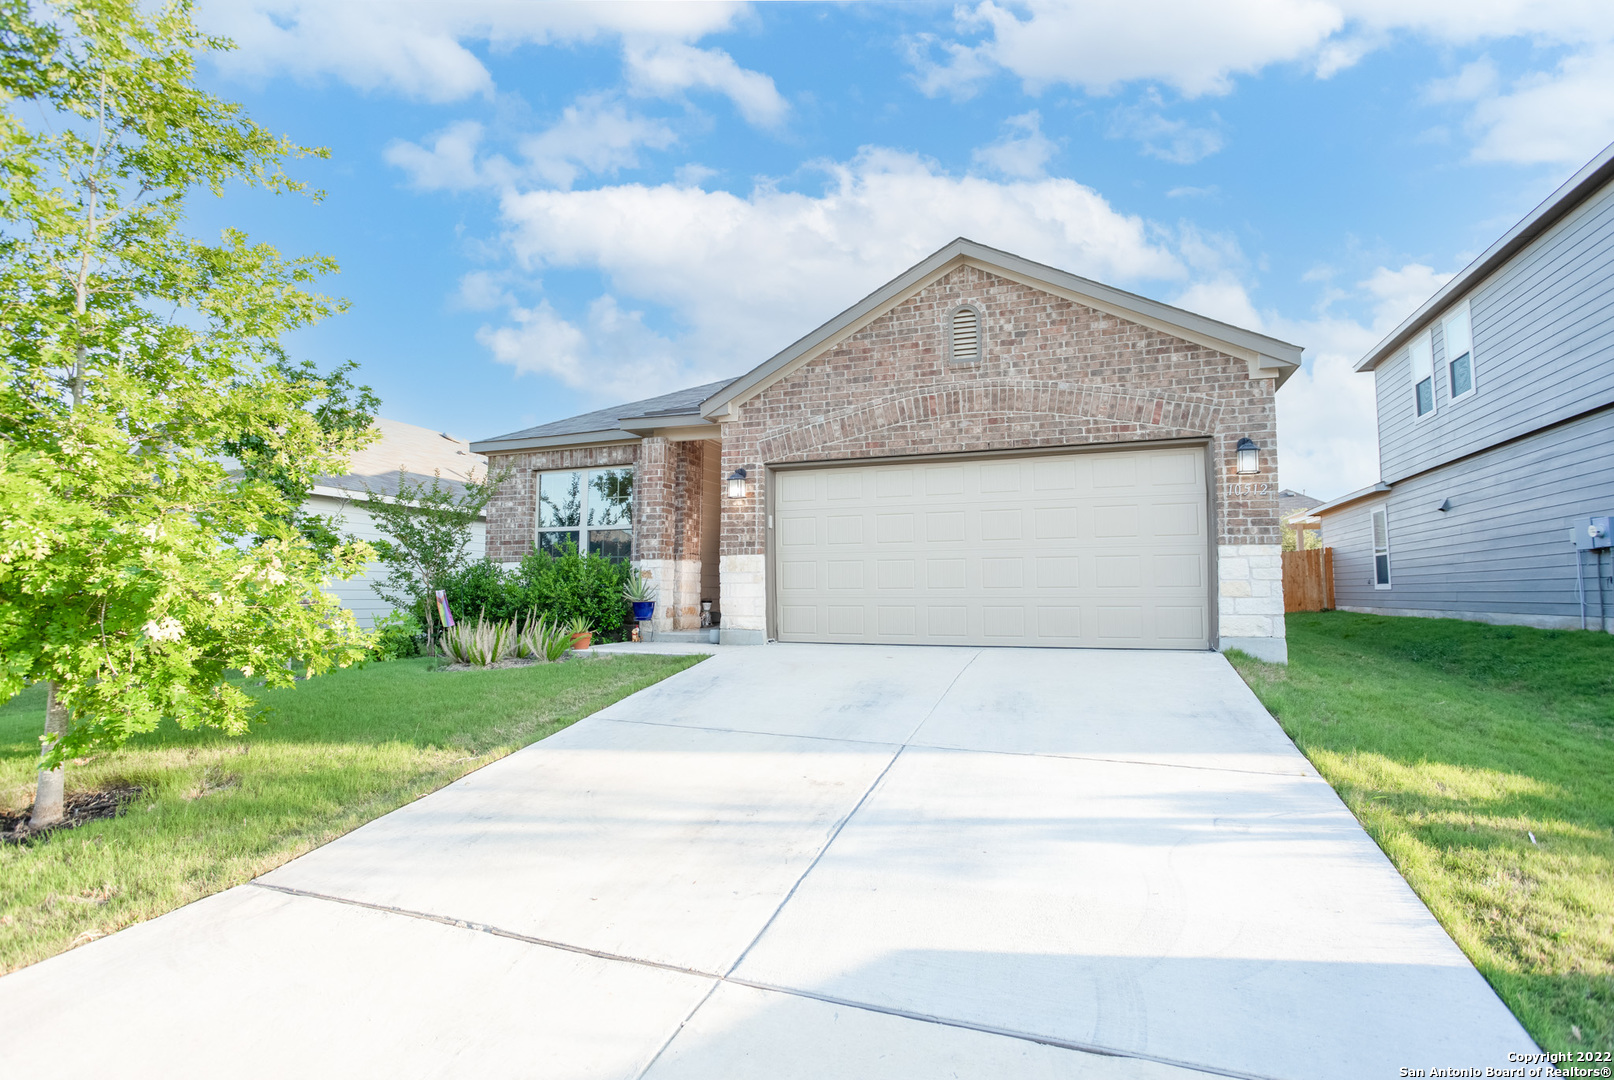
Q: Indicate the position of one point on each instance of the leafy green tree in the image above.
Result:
(135, 570)
(345, 412)
(427, 526)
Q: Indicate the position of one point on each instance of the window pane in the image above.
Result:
(1422, 350)
(610, 497)
(1426, 396)
(612, 543)
(1462, 375)
(1458, 333)
(1381, 569)
(556, 543)
(1381, 532)
(560, 499)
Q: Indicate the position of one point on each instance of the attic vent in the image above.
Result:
(966, 335)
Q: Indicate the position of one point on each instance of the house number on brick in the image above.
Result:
(1249, 489)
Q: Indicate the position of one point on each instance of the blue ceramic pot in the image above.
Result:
(642, 609)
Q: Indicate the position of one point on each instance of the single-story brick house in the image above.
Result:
(985, 450)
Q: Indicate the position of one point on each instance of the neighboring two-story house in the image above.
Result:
(984, 451)
(1496, 432)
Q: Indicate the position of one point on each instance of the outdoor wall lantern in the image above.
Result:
(1249, 456)
(737, 484)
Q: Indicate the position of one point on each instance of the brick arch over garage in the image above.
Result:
(992, 415)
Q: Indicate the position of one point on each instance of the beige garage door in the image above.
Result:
(1093, 549)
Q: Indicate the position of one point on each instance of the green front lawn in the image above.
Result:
(1481, 758)
(336, 752)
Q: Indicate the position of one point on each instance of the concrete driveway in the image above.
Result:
(817, 861)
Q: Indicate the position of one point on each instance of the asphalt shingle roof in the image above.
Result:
(674, 404)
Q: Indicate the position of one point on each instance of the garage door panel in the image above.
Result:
(1104, 549)
(944, 527)
(945, 574)
(1116, 522)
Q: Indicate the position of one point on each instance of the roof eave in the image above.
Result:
(647, 425)
(1346, 500)
(555, 442)
(1574, 191)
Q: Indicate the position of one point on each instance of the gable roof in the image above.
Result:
(616, 423)
(421, 452)
(1574, 191)
(1265, 355)
(703, 406)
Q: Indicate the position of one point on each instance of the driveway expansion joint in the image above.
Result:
(718, 979)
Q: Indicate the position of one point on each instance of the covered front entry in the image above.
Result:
(1101, 549)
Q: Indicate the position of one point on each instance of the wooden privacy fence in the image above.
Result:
(1308, 580)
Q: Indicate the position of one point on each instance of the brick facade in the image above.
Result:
(513, 512)
(1054, 373)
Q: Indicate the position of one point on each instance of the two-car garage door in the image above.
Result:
(1084, 549)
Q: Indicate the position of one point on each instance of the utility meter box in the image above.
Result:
(1594, 533)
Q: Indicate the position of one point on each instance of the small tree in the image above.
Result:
(345, 413)
(428, 530)
(135, 571)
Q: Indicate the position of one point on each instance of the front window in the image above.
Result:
(591, 509)
(1423, 373)
(1458, 331)
(1381, 550)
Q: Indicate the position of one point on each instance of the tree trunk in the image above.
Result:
(48, 795)
(431, 623)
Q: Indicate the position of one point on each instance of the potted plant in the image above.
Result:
(582, 633)
(642, 595)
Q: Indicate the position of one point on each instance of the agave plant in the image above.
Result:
(480, 644)
(639, 590)
(542, 639)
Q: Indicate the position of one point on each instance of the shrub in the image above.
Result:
(560, 587)
(484, 589)
(396, 635)
(571, 586)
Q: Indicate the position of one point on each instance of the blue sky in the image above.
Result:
(544, 208)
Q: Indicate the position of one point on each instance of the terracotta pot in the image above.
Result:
(583, 640)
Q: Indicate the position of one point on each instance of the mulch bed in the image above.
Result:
(81, 808)
(512, 662)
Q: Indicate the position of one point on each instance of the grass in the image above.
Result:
(1455, 743)
(336, 751)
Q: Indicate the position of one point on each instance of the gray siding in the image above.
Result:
(1503, 549)
(1543, 349)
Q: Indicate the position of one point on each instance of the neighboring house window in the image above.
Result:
(592, 509)
(964, 344)
(1458, 331)
(1423, 373)
(1381, 550)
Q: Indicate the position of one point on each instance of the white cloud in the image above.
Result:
(1023, 151)
(1563, 117)
(1328, 441)
(1398, 293)
(1560, 116)
(449, 163)
(593, 135)
(613, 356)
(745, 275)
(670, 67)
(418, 48)
(1191, 46)
(1471, 82)
(1176, 141)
